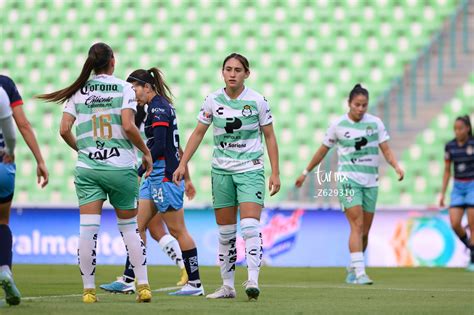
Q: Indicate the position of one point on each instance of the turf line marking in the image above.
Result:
(31, 298)
(359, 287)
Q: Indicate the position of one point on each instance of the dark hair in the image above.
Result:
(240, 58)
(98, 60)
(357, 90)
(154, 77)
(467, 121)
(139, 116)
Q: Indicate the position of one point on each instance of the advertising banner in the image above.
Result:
(291, 237)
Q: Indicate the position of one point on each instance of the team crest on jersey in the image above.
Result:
(469, 150)
(247, 111)
(369, 131)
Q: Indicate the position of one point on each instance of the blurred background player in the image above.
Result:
(157, 192)
(240, 115)
(104, 108)
(460, 151)
(156, 227)
(10, 109)
(358, 136)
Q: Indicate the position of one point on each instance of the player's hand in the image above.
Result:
(400, 173)
(179, 174)
(300, 180)
(8, 159)
(274, 184)
(189, 189)
(147, 163)
(441, 201)
(42, 174)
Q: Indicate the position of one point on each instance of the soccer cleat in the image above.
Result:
(224, 292)
(363, 279)
(351, 276)
(12, 295)
(251, 289)
(89, 296)
(189, 290)
(470, 267)
(184, 277)
(143, 293)
(119, 286)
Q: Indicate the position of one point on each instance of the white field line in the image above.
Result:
(31, 298)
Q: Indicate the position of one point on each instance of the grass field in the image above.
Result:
(56, 289)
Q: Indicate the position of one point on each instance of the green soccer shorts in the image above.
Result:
(121, 186)
(230, 190)
(351, 194)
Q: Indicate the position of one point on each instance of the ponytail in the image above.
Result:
(98, 60)
(154, 78)
(160, 85)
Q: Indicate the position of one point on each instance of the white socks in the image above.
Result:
(171, 248)
(357, 262)
(86, 252)
(135, 248)
(227, 253)
(253, 246)
(6, 268)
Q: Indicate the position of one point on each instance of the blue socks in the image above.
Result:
(5, 246)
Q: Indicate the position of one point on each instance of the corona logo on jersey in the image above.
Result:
(99, 87)
(279, 233)
(423, 241)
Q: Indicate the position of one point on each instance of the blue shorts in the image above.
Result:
(462, 195)
(7, 182)
(165, 195)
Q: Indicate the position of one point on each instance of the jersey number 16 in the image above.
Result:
(104, 123)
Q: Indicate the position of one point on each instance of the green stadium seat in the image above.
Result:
(305, 56)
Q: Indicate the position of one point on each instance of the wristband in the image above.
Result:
(305, 172)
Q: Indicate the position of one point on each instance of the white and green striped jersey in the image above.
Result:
(237, 130)
(101, 140)
(357, 147)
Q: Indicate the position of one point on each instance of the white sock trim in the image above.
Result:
(227, 232)
(89, 219)
(127, 224)
(250, 228)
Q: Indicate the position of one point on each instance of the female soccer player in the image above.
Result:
(358, 136)
(169, 245)
(240, 115)
(460, 151)
(10, 101)
(157, 192)
(104, 108)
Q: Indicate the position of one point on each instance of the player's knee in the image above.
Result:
(178, 233)
(250, 228)
(227, 233)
